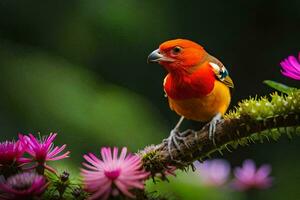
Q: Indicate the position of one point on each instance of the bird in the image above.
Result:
(197, 85)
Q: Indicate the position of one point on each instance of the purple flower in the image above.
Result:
(42, 150)
(248, 177)
(213, 172)
(112, 174)
(291, 67)
(23, 186)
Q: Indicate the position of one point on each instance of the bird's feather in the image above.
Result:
(220, 71)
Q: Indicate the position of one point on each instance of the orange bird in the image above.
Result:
(197, 84)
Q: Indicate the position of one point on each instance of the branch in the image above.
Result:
(253, 120)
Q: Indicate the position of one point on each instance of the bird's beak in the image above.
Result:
(156, 56)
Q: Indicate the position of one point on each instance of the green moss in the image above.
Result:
(260, 110)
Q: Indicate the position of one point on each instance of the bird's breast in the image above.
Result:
(203, 108)
(185, 85)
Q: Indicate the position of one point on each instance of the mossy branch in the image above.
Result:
(252, 120)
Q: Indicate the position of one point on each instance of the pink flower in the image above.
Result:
(42, 150)
(26, 185)
(248, 177)
(291, 67)
(112, 174)
(10, 152)
(213, 172)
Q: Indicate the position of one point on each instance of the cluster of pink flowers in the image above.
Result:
(217, 172)
(22, 165)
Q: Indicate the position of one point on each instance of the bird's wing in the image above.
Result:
(220, 71)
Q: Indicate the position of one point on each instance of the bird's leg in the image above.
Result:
(175, 136)
(212, 127)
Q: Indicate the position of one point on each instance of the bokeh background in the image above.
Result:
(78, 67)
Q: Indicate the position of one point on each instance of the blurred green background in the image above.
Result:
(78, 67)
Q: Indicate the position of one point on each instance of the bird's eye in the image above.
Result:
(176, 50)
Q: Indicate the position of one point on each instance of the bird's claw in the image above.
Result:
(212, 127)
(173, 139)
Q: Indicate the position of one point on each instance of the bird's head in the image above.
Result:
(178, 54)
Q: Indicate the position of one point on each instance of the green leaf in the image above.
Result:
(279, 86)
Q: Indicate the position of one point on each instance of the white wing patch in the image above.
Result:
(220, 71)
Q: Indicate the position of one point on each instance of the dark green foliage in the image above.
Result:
(63, 187)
